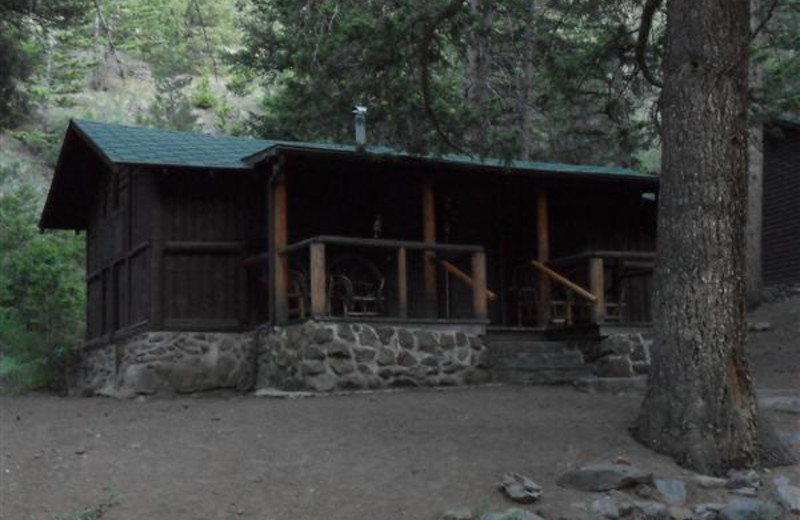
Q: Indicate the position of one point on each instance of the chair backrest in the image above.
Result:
(361, 273)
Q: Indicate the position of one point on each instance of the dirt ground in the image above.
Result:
(394, 455)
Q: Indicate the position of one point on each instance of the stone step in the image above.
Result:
(536, 360)
(504, 347)
(542, 376)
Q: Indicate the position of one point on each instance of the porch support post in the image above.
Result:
(280, 235)
(318, 296)
(543, 255)
(429, 237)
(402, 283)
(479, 295)
(597, 287)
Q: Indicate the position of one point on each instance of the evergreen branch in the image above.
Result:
(448, 12)
(646, 25)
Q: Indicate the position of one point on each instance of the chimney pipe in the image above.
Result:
(360, 113)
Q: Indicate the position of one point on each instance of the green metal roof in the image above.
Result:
(123, 144)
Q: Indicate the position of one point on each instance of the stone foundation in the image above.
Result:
(169, 362)
(324, 356)
(624, 354)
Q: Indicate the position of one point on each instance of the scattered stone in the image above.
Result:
(673, 490)
(281, 394)
(461, 513)
(623, 460)
(605, 507)
(512, 514)
(743, 508)
(650, 509)
(647, 492)
(745, 491)
(520, 488)
(80, 451)
(759, 326)
(789, 497)
(743, 479)
(604, 477)
(679, 513)
(782, 481)
(709, 482)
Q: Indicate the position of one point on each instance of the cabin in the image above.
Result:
(780, 247)
(232, 262)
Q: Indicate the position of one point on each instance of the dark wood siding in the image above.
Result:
(781, 207)
(116, 245)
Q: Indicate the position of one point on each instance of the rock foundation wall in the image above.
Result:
(323, 356)
(167, 362)
(624, 354)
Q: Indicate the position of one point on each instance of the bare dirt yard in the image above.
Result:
(410, 454)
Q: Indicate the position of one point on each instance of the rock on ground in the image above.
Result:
(604, 477)
(672, 490)
(512, 514)
(520, 488)
(743, 508)
(789, 497)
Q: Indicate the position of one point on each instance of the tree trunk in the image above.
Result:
(755, 181)
(700, 406)
(477, 73)
(526, 87)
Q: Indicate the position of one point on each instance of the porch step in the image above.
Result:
(534, 361)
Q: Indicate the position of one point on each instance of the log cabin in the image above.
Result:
(218, 261)
(780, 246)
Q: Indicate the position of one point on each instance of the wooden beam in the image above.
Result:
(402, 283)
(597, 285)
(569, 284)
(279, 237)
(429, 237)
(479, 294)
(318, 297)
(543, 256)
(464, 277)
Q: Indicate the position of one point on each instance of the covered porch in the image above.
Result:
(352, 237)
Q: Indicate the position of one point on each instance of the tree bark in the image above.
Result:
(755, 180)
(478, 63)
(700, 407)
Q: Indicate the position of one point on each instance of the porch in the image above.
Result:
(452, 247)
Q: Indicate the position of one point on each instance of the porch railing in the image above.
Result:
(321, 281)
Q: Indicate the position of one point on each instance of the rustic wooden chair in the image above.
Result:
(356, 287)
(298, 294)
(525, 281)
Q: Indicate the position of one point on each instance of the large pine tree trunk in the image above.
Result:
(700, 406)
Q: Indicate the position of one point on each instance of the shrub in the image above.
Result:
(202, 96)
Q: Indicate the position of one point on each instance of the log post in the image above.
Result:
(402, 283)
(543, 255)
(597, 286)
(479, 295)
(318, 296)
(429, 237)
(279, 240)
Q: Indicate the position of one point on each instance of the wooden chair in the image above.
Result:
(298, 296)
(525, 285)
(356, 287)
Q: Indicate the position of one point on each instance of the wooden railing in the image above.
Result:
(319, 276)
(464, 277)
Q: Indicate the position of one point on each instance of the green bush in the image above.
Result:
(42, 295)
(202, 96)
